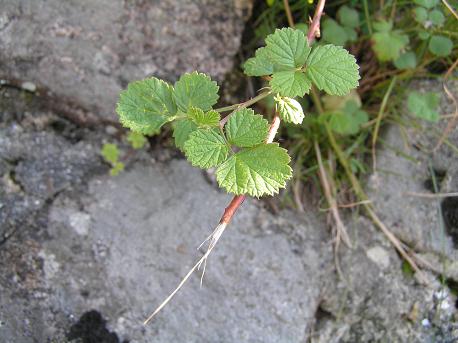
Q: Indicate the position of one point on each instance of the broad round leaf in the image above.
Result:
(436, 17)
(332, 69)
(334, 33)
(246, 129)
(257, 171)
(206, 148)
(388, 45)
(146, 105)
(440, 45)
(195, 90)
(424, 105)
(427, 3)
(348, 17)
(407, 60)
(421, 14)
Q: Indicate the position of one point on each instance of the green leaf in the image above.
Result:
(263, 169)
(421, 14)
(246, 129)
(383, 26)
(136, 140)
(348, 17)
(204, 119)
(181, 131)
(117, 168)
(196, 90)
(407, 60)
(289, 109)
(290, 83)
(110, 153)
(423, 35)
(440, 45)
(334, 33)
(351, 33)
(427, 3)
(349, 121)
(259, 65)
(388, 45)
(332, 69)
(206, 148)
(146, 105)
(424, 105)
(287, 48)
(436, 17)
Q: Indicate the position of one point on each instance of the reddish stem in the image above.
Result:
(315, 26)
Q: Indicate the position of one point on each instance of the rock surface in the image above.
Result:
(86, 51)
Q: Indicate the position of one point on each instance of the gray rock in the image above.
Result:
(141, 232)
(87, 51)
(405, 167)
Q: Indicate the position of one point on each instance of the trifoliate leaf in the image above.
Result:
(256, 171)
(421, 14)
(436, 17)
(259, 65)
(206, 148)
(290, 83)
(146, 105)
(289, 110)
(348, 17)
(388, 45)
(181, 131)
(349, 121)
(246, 129)
(136, 140)
(204, 119)
(424, 105)
(427, 3)
(287, 48)
(333, 33)
(332, 69)
(440, 45)
(110, 153)
(407, 60)
(197, 90)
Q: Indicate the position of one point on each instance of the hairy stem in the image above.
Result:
(315, 26)
(244, 104)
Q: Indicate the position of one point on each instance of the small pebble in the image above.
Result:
(29, 86)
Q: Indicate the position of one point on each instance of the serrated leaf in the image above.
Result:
(332, 69)
(136, 140)
(436, 17)
(440, 45)
(146, 105)
(388, 45)
(195, 90)
(287, 48)
(246, 129)
(259, 65)
(181, 131)
(289, 110)
(424, 105)
(206, 148)
(110, 153)
(349, 121)
(407, 60)
(333, 33)
(204, 119)
(348, 17)
(290, 83)
(427, 3)
(421, 14)
(257, 171)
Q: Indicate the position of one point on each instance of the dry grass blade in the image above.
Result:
(341, 231)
